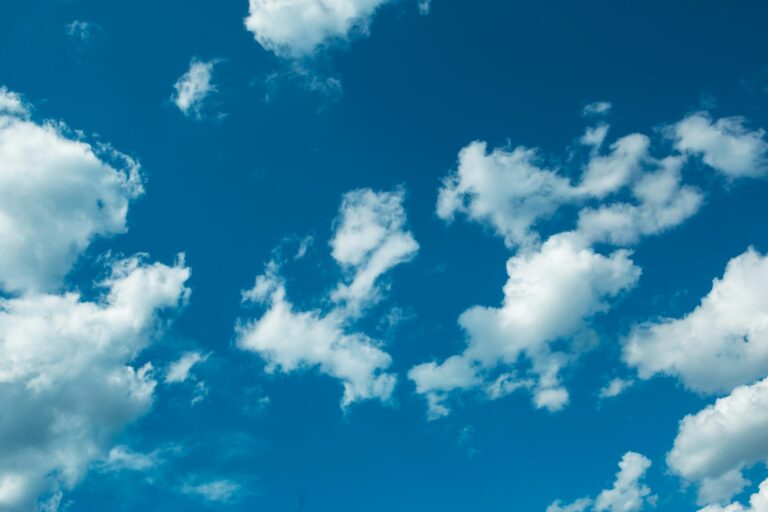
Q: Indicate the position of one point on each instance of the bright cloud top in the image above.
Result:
(369, 239)
(720, 344)
(628, 494)
(297, 28)
(66, 375)
(57, 193)
(713, 446)
(194, 87)
(559, 282)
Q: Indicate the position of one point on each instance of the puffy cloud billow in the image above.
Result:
(370, 238)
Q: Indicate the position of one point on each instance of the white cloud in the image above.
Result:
(82, 30)
(297, 28)
(713, 446)
(726, 144)
(628, 494)
(46, 222)
(549, 297)
(597, 108)
(193, 87)
(219, 491)
(369, 239)
(615, 387)
(720, 344)
(506, 190)
(123, 458)
(425, 6)
(758, 502)
(179, 370)
(606, 174)
(66, 375)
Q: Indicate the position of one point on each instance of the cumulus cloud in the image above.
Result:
(180, 369)
(194, 87)
(550, 295)
(297, 28)
(47, 221)
(713, 446)
(369, 239)
(758, 502)
(726, 144)
(628, 494)
(720, 344)
(620, 195)
(66, 374)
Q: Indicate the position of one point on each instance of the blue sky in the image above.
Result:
(316, 255)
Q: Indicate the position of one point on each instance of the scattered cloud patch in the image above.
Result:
(597, 108)
(616, 387)
(194, 87)
(628, 494)
(720, 344)
(298, 28)
(82, 31)
(758, 502)
(217, 491)
(179, 370)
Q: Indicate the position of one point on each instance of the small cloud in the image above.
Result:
(424, 7)
(597, 108)
(616, 387)
(218, 491)
(83, 31)
(194, 87)
(122, 458)
(179, 371)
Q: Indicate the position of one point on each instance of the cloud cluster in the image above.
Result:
(68, 383)
(558, 282)
(628, 494)
(370, 238)
(297, 28)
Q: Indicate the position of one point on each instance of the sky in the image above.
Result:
(383, 255)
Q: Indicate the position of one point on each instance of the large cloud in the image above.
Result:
(628, 494)
(369, 239)
(620, 193)
(549, 297)
(67, 385)
(56, 194)
(713, 446)
(720, 344)
(296, 28)
(758, 502)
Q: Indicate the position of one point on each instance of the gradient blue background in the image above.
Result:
(419, 88)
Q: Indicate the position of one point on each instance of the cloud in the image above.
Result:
(369, 239)
(620, 195)
(616, 387)
(194, 87)
(597, 108)
(758, 502)
(628, 493)
(720, 344)
(81, 30)
(122, 458)
(67, 378)
(550, 295)
(726, 144)
(298, 28)
(179, 370)
(47, 222)
(713, 446)
(219, 491)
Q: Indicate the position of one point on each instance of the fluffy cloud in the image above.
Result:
(219, 491)
(615, 387)
(720, 344)
(726, 144)
(66, 375)
(549, 297)
(758, 502)
(297, 28)
(57, 193)
(506, 190)
(369, 239)
(180, 369)
(621, 194)
(628, 493)
(193, 87)
(713, 446)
